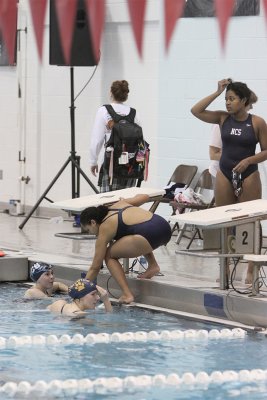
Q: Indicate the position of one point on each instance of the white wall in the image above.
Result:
(162, 86)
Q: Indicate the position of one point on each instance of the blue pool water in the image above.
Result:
(124, 359)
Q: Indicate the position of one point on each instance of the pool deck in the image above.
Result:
(188, 284)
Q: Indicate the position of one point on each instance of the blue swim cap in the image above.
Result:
(38, 269)
(81, 288)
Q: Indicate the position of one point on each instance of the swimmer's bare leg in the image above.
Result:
(117, 272)
(152, 269)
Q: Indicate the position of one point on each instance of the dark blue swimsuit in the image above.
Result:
(156, 231)
(238, 142)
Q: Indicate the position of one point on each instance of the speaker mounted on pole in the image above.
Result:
(82, 54)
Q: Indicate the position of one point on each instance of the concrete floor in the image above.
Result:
(188, 283)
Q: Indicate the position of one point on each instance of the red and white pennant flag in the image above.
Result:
(137, 10)
(38, 11)
(173, 11)
(224, 10)
(66, 15)
(96, 19)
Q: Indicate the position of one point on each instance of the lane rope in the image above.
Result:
(72, 387)
(139, 336)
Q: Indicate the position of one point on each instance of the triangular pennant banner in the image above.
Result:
(38, 10)
(8, 26)
(96, 18)
(265, 7)
(66, 14)
(137, 13)
(224, 10)
(173, 11)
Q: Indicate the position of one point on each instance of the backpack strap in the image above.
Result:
(117, 117)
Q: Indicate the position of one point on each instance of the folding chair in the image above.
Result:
(203, 184)
(183, 174)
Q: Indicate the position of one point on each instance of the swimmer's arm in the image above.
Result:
(105, 236)
(60, 287)
(138, 200)
(262, 135)
(77, 314)
(260, 127)
(34, 293)
(200, 111)
(104, 298)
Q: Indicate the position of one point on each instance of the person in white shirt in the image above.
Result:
(101, 132)
(215, 151)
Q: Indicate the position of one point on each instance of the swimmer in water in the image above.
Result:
(45, 286)
(85, 296)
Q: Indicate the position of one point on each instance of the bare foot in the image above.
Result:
(126, 299)
(149, 273)
(248, 280)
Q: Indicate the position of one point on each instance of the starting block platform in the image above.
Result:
(243, 217)
(80, 203)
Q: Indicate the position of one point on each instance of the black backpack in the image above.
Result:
(126, 151)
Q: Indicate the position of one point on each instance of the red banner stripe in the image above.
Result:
(137, 14)
(265, 7)
(96, 19)
(38, 10)
(66, 14)
(224, 10)
(173, 11)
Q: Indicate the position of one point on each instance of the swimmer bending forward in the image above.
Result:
(124, 230)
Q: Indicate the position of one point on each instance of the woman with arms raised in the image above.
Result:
(238, 178)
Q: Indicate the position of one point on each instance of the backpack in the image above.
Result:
(126, 151)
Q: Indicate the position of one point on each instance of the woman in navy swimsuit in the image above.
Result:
(125, 231)
(238, 179)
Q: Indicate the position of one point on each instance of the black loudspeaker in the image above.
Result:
(82, 51)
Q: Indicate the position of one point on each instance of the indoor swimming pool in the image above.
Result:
(130, 354)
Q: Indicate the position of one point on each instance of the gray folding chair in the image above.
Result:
(203, 184)
(182, 174)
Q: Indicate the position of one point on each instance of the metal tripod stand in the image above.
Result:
(74, 159)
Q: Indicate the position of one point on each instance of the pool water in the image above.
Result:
(122, 359)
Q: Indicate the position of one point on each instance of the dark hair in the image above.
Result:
(96, 213)
(120, 90)
(253, 98)
(242, 91)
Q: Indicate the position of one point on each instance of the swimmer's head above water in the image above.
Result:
(38, 269)
(81, 288)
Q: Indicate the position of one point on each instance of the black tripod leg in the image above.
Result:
(45, 193)
(84, 175)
